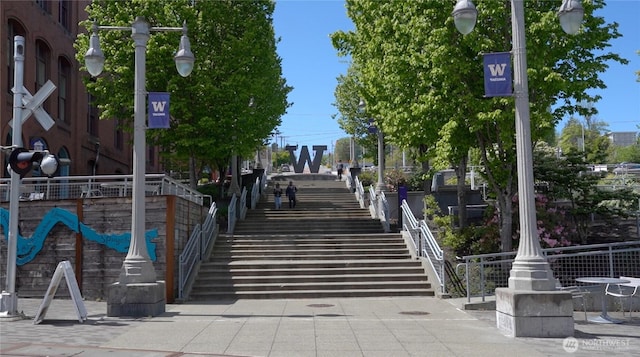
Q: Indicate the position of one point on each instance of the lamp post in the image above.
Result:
(380, 184)
(137, 293)
(531, 278)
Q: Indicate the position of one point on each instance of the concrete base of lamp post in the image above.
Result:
(136, 300)
(534, 313)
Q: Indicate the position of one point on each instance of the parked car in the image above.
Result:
(285, 168)
(627, 168)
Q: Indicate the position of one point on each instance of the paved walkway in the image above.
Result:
(307, 327)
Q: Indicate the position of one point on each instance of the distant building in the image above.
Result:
(623, 138)
(85, 144)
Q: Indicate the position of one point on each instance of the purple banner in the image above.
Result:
(373, 129)
(158, 110)
(497, 75)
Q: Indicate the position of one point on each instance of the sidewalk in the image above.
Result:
(306, 327)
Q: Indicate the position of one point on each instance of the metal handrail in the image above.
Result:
(424, 243)
(255, 193)
(384, 212)
(243, 204)
(202, 238)
(359, 192)
(73, 187)
(232, 214)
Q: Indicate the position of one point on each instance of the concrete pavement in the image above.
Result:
(406, 326)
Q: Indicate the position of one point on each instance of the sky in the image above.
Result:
(311, 65)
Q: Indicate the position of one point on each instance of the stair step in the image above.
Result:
(248, 270)
(328, 246)
(306, 294)
(338, 285)
(316, 278)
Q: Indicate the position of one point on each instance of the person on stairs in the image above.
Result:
(277, 196)
(340, 170)
(291, 193)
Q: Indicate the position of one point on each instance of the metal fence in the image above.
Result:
(486, 272)
(73, 187)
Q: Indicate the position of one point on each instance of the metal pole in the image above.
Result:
(9, 297)
(530, 269)
(137, 266)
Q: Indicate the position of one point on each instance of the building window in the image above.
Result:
(44, 5)
(64, 73)
(42, 67)
(64, 14)
(92, 117)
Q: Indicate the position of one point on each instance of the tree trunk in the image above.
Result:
(505, 210)
(426, 185)
(461, 174)
(193, 179)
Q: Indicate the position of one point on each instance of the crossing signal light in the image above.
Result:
(22, 160)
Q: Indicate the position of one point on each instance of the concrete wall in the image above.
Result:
(445, 196)
(96, 264)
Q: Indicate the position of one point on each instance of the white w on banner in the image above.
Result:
(497, 74)
(158, 110)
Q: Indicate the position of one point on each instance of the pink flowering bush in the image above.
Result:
(554, 229)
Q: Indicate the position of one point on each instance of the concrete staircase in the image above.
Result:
(326, 247)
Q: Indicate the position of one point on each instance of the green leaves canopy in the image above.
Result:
(423, 81)
(235, 48)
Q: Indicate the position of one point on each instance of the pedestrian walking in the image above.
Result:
(277, 196)
(340, 169)
(291, 194)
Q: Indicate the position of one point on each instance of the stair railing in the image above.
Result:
(232, 214)
(255, 193)
(424, 243)
(384, 212)
(243, 204)
(202, 239)
(359, 192)
(379, 208)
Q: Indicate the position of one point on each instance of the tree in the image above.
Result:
(236, 61)
(569, 179)
(351, 117)
(629, 153)
(588, 138)
(418, 74)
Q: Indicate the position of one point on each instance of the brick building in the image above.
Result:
(86, 144)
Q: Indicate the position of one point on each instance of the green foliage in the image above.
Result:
(235, 49)
(367, 178)
(422, 80)
(568, 178)
(629, 153)
(588, 138)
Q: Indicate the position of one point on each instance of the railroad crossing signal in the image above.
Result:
(33, 105)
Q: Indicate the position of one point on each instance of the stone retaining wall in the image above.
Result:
(97, 265)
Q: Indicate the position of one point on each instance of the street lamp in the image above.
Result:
(531, 278)
(380, 184)
(138, 276)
